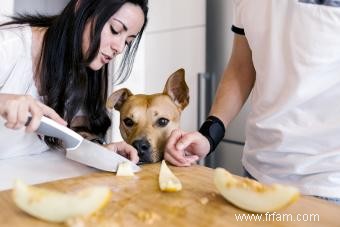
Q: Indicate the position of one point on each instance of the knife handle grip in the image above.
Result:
(49, 127)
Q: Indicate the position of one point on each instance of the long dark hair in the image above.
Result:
(66, 83)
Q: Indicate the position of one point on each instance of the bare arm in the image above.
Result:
(237, 82)
(185, 148)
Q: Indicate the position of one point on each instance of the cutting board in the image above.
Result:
(137, 201)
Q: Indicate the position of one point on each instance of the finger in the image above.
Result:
(188, 160)
(179, 157)
(169, 157)
(49, 112)
(130, 154)
(192, 159)
(9, 125)
(120, 146)
(111, 147)
(182, 157)
(22, 115)
(186, 140)
(170, 148)
(174, 161)
(173, 138)
(36, 115)
(128, 151)
(34, 123)
(134, 156)
(11, 116)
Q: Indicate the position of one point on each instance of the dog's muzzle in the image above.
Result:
(144, 150)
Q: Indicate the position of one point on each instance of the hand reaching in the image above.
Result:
(125, 150)
(16, 109)
(185, 148)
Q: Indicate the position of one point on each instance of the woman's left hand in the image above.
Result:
(124, 149)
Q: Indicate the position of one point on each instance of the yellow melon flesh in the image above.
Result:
(251, 195)
(168, 182)
(57, 206)
(125, 169)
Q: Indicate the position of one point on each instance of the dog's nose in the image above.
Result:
(142, 146)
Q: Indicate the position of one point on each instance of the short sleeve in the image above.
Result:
(237, 25)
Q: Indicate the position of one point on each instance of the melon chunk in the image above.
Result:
(168, 182)
(251, 195)
(125, 169)
(54, 206)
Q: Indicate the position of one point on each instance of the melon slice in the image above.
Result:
(251, 195)
(57, 206)
(125, 169)
(168, 182)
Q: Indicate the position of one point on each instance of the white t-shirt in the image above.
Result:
(16, 77)
(293, 130)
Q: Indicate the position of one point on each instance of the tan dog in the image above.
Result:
(146, 121)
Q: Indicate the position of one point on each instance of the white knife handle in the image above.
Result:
(49, 127)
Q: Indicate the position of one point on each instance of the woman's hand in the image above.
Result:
(16, 109)
(124, 149)
(186, 148)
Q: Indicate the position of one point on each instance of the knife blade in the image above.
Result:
(82, 150)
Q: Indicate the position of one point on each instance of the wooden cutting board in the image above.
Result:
(138, 201)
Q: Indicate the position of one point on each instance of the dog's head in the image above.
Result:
(146, 121)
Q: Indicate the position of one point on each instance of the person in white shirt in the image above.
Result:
(57, 66)
(286, 54)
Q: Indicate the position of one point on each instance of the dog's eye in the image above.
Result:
(128, 122)
(162, 122)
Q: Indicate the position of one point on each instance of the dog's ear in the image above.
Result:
(117, 98)
(177, 89)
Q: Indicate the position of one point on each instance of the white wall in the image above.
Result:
(41, 6)
(9, 7)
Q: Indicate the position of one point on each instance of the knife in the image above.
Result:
(82, 150)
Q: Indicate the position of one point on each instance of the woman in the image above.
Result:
(57, 66)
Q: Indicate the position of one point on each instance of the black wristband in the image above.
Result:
(213, 129)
